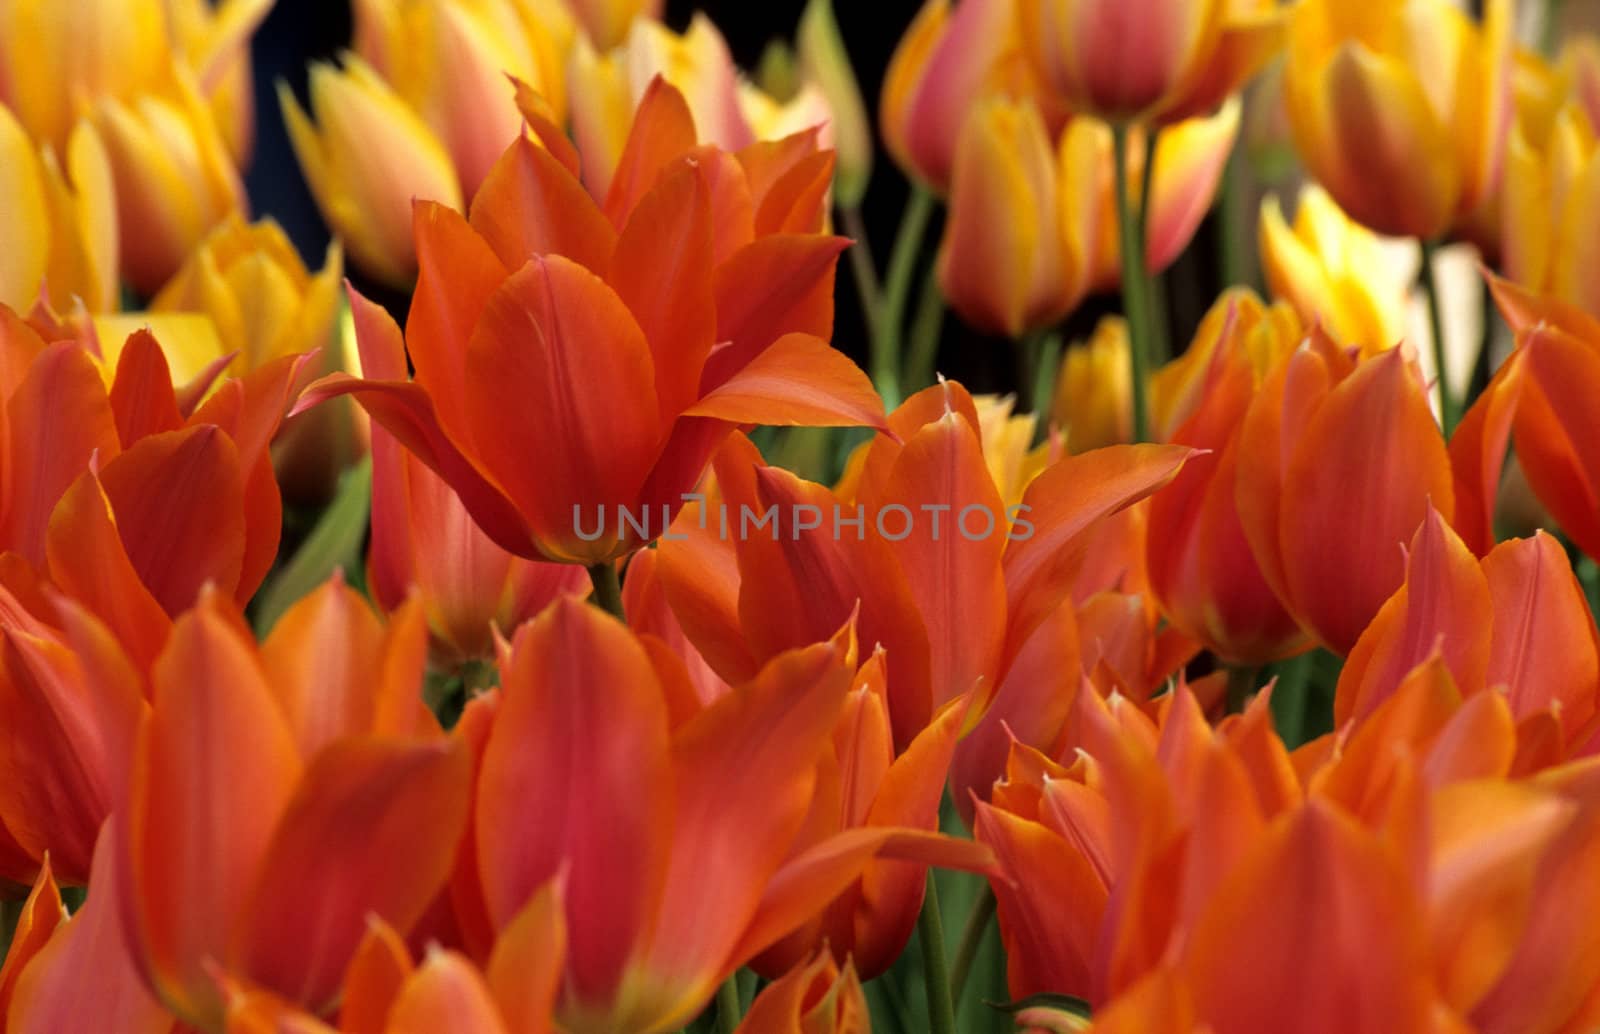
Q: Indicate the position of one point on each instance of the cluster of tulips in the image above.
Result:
(555, 664)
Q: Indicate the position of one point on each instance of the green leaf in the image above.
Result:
(335, 543)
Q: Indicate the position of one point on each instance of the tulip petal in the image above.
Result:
(525, 970)
(1556, 430)
(662, 270)
(771, 287)
(51, 994)
(1063, 501)
(581, 712)
(41, 913)
(377, 971)
(142, 396)
(799, 380)
(554, 349)
(215, 768)
(59, 417)
(663, 129)
(445, 993)
(361, 803)
(1342, 521)
(530, 204)
(1478, 454)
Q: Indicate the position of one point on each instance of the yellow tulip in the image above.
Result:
(58, 59)
(607, 22)
(825, 63)
(1333, 271)
(1156, 60)
(449, 60)
(365, 156)
(1401, 107)
(59, 225)
(1094, 389)
(1004, 263)
(174, 177)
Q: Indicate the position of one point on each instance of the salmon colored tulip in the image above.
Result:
(607, 90)
(59, 222)
(1200, 562)
(1160, 60)
(950, 56)
(1005, 263)
(424, 541)
(1339, 460)
(1333, 271)
(448, 59)
(564, 467)
(42, 987)
(1401, 109)
(1535, 401)
(820, 997)
(366, 155)
(676, 840)
(266, 304)
(299, 773)
(174, 177)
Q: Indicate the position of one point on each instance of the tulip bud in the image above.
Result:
(174, 177)
(1553, 195)
(366, 156)
(1129, 61)
(825, 61)
(1334, 271)
(817, 998)
(607, 22)
(944, 61)
(1401, 111)
(60, 226)
(1003, 264)
(449, 60)
(265, 304)
(1094, 390)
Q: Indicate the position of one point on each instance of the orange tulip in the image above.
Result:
(1160, 60)
(820, 997)
(1338, 462)
(1517, 621)
(1535, 400)
(296, 773)
(424, 541)
(60, 223)
(1201, 566)
(677, 840)
(567, 474)
(1401, 109)
(93, 507)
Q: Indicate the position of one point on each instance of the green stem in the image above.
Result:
(1135, 284)
(971, 939)
(862, 267)
(1291, 699)
(728, 1007)
(1155, 289)
(607, 589)
(1238, 269)
(1046, 365)
(1448, 412)
(926, 325)
(930, 929)
(1241, 683)
(897, 286)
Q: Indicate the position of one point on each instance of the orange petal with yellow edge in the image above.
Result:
(525, 969)
(798, 380)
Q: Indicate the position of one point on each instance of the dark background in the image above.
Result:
(300, 31)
